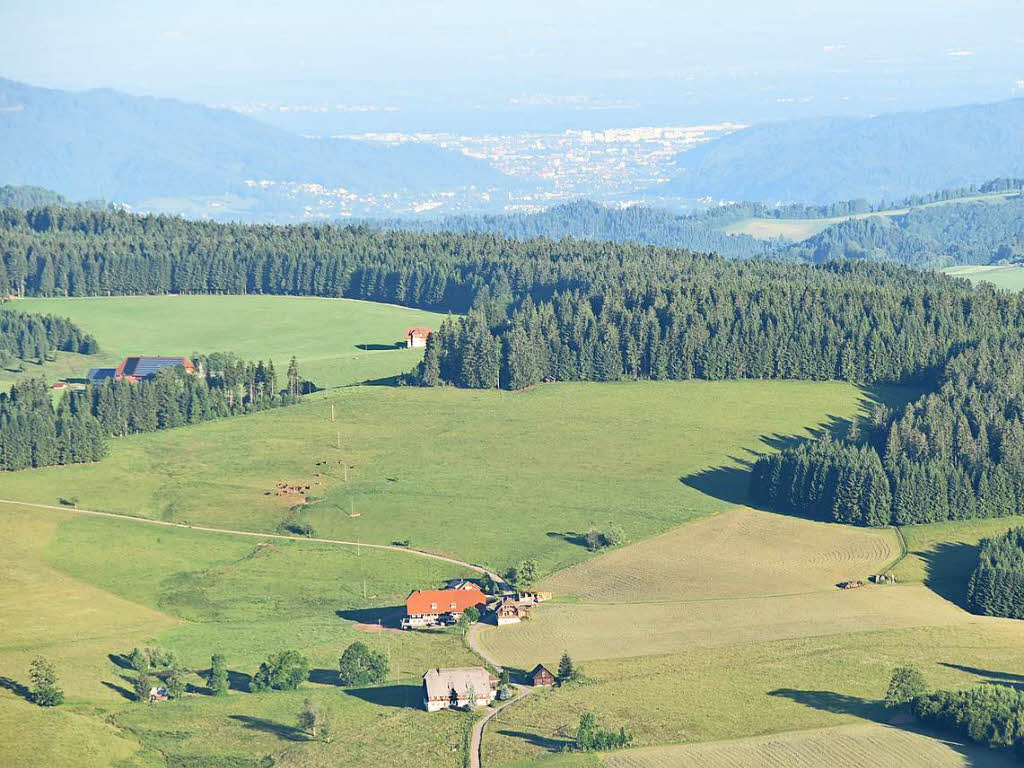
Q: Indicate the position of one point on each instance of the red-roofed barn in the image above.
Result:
(429, 607)
(416, 336)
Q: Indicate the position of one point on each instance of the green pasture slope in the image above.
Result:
(82, 590)
(328, 336)
(492, 477)
(1008, 276)
(801, 229)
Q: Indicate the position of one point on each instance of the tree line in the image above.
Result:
(996, 587)
(36, 433)
(584, 310)
(955, 453)
(25, 336)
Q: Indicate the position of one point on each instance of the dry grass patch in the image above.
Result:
(852, 746)
(756, 688)
(603, 631)
(741, 552)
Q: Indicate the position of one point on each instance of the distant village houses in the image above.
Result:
(458, 687)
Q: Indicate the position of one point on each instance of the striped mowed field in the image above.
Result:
(849, 746)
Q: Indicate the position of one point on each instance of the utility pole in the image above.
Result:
(339, 439)
(332, 413)
(346, 471)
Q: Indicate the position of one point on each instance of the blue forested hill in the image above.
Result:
(883, 157)
(106, 144)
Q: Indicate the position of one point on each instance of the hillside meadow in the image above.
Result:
(492, 477)
(1007, 276)
(864, 746)
(84, 590)
(696, 644)
(801, 229)
(337, 341)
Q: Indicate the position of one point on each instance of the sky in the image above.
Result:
(524, 65)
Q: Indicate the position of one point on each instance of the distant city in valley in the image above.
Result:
(614, 166)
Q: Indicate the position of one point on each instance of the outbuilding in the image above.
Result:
(541, 676)
(416, 336)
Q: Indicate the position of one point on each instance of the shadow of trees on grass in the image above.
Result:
(837, 703)
(397, 696)
(948, 568)
(281, 730)
(18, 689)
(551, 744)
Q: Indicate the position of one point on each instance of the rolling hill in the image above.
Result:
(887, 156)
(103, 143)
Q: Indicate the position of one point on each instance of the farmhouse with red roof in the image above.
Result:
(431, 607)
(416, 336)
(139, 367)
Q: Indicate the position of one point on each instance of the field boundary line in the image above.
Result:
(256, 534)
(904, 550)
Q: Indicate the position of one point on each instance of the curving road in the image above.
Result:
(472, 639)
(256, 534)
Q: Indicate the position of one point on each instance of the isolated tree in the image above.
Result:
(586, 732)
(138, 660)
(471, 695)
(45, 689)
(360, 665)
(218, 680)
(159, 658)
(593, 539)
(284, 671)
(468, 618)
(907, 684)
(308, 718)
(566, 669)
(613, 535)
(175, 684)
(523, 575)
(141, 686)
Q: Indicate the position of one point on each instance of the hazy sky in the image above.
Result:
(528, 63)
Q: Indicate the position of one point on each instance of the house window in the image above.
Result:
(433, 606)
(453, 605)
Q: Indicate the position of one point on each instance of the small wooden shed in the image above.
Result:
(541, 675)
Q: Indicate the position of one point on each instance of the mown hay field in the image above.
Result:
(850, 746)
(492, 477)
(83, 590)
(622, 630)
(755, 687)
(739, 553)
(326, 335)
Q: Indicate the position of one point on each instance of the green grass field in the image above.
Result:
(852, 746)
(326, 335)
(801, 229)
(491, 477)
(714, 622)
(1009, 277)
(79, 588)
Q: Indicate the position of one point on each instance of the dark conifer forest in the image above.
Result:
(34, 432)
(569, 310)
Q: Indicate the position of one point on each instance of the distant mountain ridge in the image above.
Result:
(107, 144)
(884, 157)
(961, 230)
